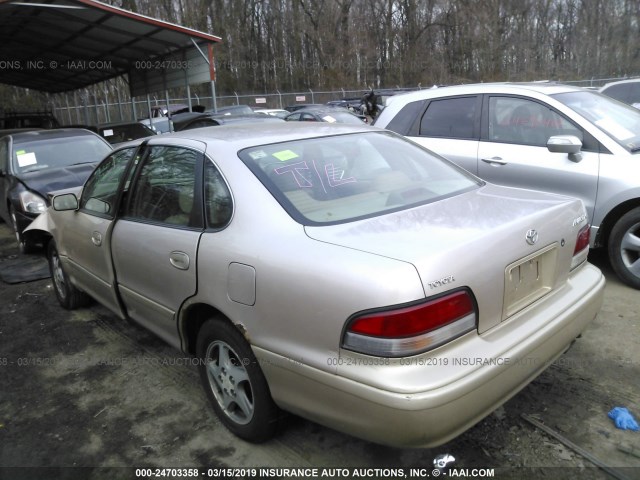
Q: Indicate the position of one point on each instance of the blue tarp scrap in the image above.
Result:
(623, 419)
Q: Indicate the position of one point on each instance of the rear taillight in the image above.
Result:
(413, 329)
(581, 251)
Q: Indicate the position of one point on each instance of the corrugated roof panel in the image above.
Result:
(47, 41)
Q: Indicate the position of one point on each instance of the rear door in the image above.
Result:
(451, 127)
(155, 243)
(513, 150)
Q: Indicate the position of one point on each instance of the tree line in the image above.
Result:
(297, 45)
(292, 45)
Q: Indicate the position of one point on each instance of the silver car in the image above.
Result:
(626, 91)
(543, 136)
(338, 272)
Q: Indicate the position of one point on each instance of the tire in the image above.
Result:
(23, 245)
(624, 248)
(234, 382)
(68, 295)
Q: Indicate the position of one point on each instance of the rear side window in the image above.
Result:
(166, 189)
(217, 197)
(406, 117)
(450, 118)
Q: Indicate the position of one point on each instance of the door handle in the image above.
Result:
(180, 260)
(494, 161)
(96, 238)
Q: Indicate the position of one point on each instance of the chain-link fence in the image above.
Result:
(95, 109)
(92, 110)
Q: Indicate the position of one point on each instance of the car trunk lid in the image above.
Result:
(509, 246)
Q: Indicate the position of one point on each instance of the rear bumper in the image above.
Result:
(427, 400)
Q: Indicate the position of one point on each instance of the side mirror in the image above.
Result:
(66, 201)
(569, 144)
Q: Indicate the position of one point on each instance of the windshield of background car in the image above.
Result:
(340, 117)
(31, 156)
(347, 177)
(621, 122)
(125, 133)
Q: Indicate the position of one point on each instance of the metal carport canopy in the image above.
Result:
(63, 45)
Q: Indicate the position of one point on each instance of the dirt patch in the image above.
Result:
(86, 390)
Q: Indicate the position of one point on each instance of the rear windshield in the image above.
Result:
(341, 178)
(125, 133)
(58, 152)
(621, 122)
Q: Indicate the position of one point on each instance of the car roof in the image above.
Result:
(546, 88)
(186, 116)
(13, 131)
(119, 124)
(239, 136)
(43, 135)
(245, 117)
(323, 109)
(298, 106)
(619, 82)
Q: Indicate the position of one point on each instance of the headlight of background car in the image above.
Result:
(32, 203)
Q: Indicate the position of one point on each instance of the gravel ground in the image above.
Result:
(85, 395)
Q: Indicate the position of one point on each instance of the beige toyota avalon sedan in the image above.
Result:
(338, 272)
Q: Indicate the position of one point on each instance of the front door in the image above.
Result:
(155, 244)
(87, 237)
(513, 150)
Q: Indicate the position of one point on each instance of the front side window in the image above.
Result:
(341, 178)
(522, 121)
(100, 192)
(450, 118)
(165, 189)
